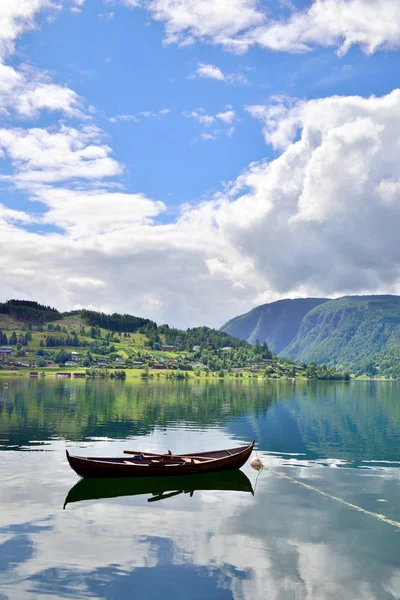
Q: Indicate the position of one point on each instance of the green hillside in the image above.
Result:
(276, 323)
(33, 336)
(361, 333)
(350, 331)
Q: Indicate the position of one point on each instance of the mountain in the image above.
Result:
(358, 332)
(347, 330)
(276, 323)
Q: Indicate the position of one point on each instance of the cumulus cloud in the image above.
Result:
(16, 17)
(27, 91)
(370, 24)
(57, 154)
(222, 21)
(236, 25)
(213, 72)
(326, 196)
(227, 116)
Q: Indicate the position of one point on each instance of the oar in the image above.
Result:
(146, 453)
(175, 456)
(163, 496)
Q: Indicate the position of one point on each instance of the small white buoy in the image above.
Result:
(256, 463)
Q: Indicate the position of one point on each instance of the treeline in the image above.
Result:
(14, 340)
(52, 341)
(29, 311)
(326, 372)
(117, 322)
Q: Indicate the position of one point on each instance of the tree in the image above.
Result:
(62, 357)
(13, 339)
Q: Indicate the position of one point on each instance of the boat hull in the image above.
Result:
(220, 460)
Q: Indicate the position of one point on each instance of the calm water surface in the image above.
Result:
(323, 522)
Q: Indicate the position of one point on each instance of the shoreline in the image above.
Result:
(157, 375)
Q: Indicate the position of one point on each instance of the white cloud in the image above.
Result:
(228, 116)
(200, 116)
(220, 21)
(15, 18)
(214, 72)
(90, 213)
(57, 154)
(371, 24)
(210, 71)
(28, 91)
(324, 196)
(238, 24)
(137, 117)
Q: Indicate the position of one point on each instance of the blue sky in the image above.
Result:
(166, 161)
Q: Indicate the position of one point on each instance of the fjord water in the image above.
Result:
(323, 522)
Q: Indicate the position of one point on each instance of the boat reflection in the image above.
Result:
(159, 488)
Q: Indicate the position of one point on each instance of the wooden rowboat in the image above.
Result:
(158, 488)
(148, 464)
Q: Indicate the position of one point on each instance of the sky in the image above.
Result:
(186, 161)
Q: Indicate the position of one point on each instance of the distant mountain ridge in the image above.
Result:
(361, 332)
(277, 323)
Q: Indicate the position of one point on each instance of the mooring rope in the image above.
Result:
(307, 486)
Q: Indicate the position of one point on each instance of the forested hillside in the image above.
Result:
(27, 313)
(357, 332)
(276, 323)
(349, 330)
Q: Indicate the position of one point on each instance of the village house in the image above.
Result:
(75, 356)
(6, 351)
(195, 348)
(169, 348)
(226, 349)
(158, 366)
